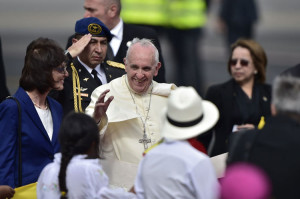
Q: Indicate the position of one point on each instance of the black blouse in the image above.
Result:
(247, 110)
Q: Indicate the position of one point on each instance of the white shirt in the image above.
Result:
(117, 33)
(174, 169)
(85, 178)
(46, 118)
(100, 71)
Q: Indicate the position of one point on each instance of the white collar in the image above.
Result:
(89, 69)
(117, 31)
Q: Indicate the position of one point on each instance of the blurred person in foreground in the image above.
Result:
(129, 109)
(86, 65)
(76, 171)
(174, 168)
(44, 69)
(245, 98)
(274, 148)
(108, 11)
(245, 181)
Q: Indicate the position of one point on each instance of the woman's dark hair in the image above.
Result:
(42, 56)
(258, 56)
(78, 132)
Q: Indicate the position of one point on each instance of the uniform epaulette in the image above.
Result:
(115, 64)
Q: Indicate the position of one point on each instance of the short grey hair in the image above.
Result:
(286, 94)
(146, 43)
(108, 3)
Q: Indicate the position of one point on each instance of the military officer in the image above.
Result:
(86, 66)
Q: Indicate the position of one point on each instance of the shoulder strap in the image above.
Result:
(115, 64)
(19, 140)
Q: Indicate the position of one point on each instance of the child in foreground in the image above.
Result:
(76, 172)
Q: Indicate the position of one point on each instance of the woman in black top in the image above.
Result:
(245, 98)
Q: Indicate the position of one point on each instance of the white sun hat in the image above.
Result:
(187, 115)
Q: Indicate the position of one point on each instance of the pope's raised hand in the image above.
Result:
(101, 106)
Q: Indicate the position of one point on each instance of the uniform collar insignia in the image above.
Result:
(81, 89)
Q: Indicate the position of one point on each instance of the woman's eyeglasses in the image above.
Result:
(61, 70)
(243, 62)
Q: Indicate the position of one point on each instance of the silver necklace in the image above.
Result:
(46, 106)
(38, 106)
(145, 140)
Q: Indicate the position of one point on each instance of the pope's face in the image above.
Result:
(141, 68)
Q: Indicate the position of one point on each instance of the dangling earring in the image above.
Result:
(255, 72)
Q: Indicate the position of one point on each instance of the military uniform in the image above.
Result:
(80, 84)
(86, 82)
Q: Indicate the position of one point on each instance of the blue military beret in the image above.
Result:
(94, 26)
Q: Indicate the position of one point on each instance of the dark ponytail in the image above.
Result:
(77, 133)
(65, 159)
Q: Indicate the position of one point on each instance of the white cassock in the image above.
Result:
(123, 127)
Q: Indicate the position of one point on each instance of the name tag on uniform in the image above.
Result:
(84, 94)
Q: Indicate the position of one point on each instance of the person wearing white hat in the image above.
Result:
(174, 169)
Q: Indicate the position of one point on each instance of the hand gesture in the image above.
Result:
(245, 127)
(101, 106)
(6, 192)
(78, 45)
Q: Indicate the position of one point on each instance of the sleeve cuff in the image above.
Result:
(68, 55)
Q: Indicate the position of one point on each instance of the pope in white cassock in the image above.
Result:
(129, 111)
